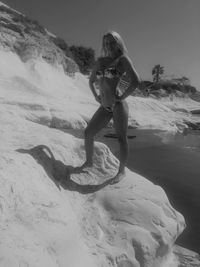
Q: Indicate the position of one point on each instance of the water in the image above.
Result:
(173, 162)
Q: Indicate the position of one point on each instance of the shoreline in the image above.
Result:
(167, 163)
(177, 172)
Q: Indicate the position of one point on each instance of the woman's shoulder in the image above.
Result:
(104, 59)
(125, 59)
(98, 63)
(103, 62)
(128, 67)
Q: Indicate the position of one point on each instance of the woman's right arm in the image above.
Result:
(92, 81)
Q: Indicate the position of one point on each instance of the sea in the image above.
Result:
(173, 162)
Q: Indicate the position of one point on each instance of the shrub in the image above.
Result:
(190, 89)
(5, 20)
(14, 28)
(62, 45)
(84, 57)
(8, 10)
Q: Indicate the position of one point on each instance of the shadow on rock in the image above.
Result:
(59, 172)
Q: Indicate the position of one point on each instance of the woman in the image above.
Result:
(109, 72)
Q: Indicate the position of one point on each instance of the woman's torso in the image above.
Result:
(109, 72)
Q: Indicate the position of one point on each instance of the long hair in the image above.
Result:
(119, 42)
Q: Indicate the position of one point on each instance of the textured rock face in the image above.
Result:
(55, 214)
(130, 224)
(51, 215)
(29, 40)
(187, 258)
(49, 211)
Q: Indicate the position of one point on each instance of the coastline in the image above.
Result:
(186, 257)
(169, 164)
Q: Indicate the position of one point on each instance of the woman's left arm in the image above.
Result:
(129, 69)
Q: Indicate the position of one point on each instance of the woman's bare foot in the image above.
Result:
(84, 165)
(87, 164)
(120, 175)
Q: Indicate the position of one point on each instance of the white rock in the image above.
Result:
(53, 217)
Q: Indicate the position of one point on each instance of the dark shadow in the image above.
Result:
(114, 135)
(74, 132)
(58, 172)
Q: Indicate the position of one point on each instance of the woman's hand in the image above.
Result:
(98, 98)
(118, 98)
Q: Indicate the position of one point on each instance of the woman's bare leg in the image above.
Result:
(99, 120)
(120, 117)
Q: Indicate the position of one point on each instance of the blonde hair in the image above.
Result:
(119, 42)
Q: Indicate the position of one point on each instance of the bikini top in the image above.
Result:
(110, 72)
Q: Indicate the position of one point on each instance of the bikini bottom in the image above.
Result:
(109, 109)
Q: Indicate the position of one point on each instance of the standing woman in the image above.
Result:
(114, 66)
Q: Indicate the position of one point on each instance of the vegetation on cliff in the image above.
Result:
(29, 39)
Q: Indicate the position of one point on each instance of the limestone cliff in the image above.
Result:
(29, 39)
(51, 214)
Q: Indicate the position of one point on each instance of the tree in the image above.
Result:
(157, 71)
(185, 80)
(84, 57)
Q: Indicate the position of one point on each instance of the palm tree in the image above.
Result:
(157, 71)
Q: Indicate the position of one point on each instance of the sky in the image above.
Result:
(165, 32)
